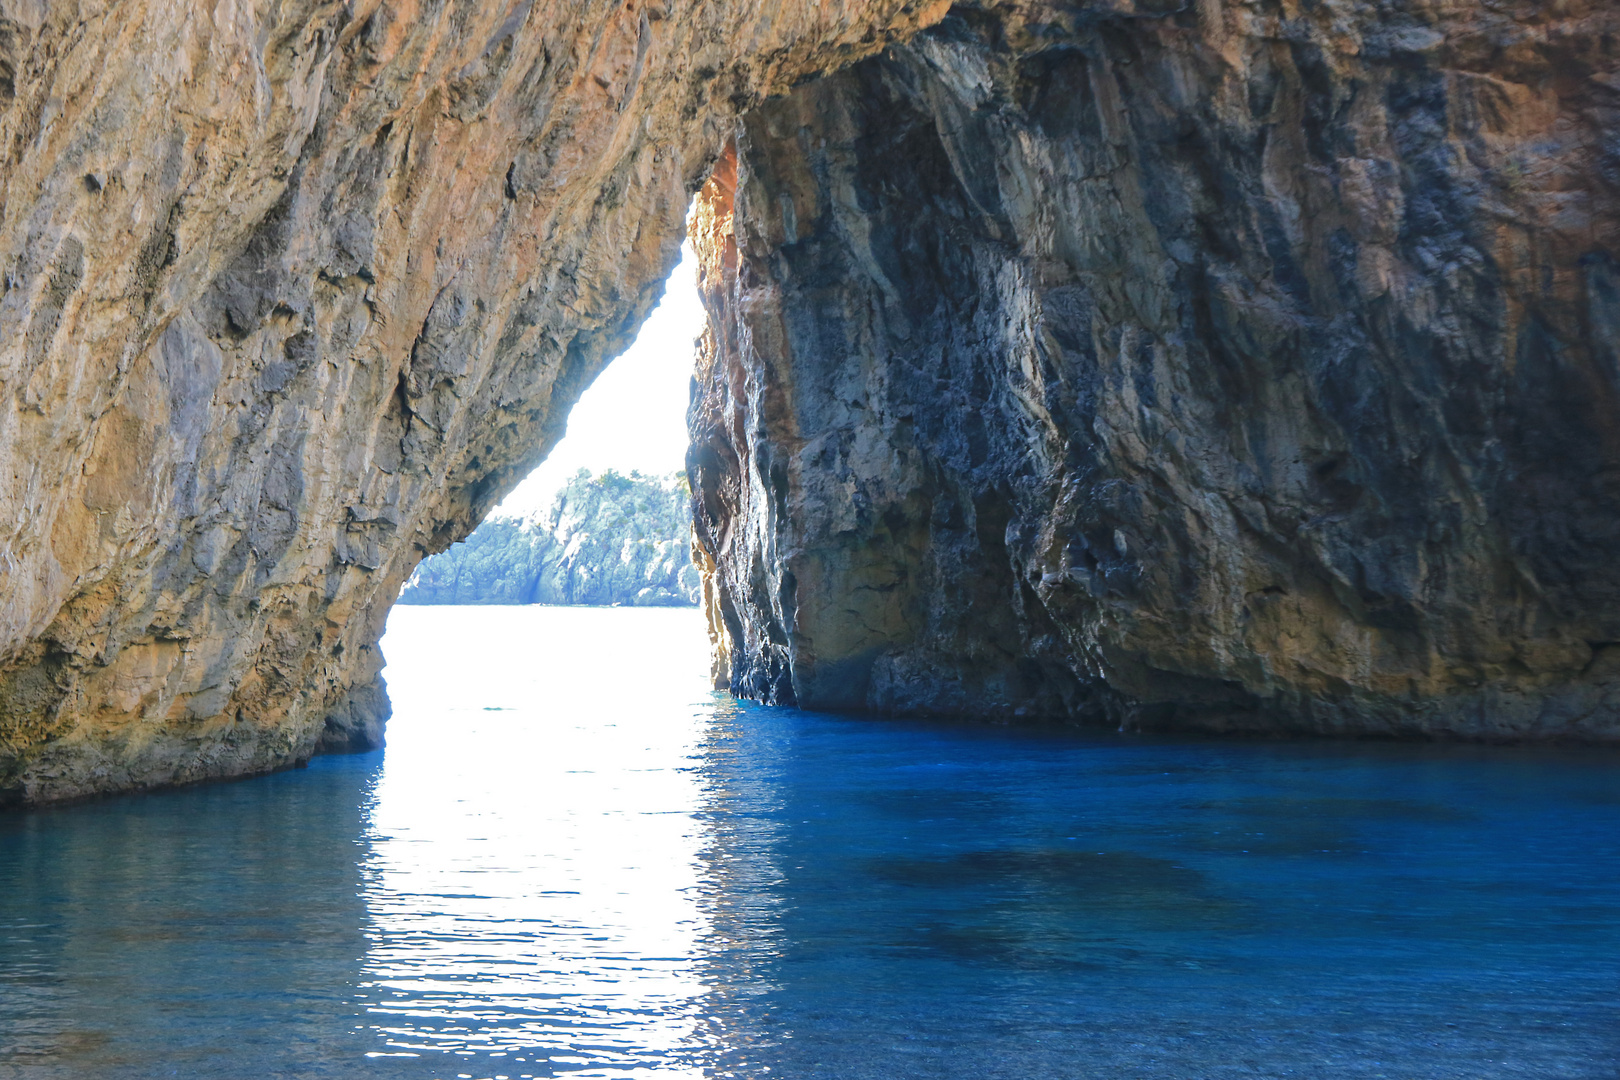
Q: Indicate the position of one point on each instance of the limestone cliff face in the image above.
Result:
(606, 540)
(293, 293)
(1225, 365)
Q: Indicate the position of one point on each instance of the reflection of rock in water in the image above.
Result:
(606, 540)
(124, 921)
(741, 893)
(940, 901)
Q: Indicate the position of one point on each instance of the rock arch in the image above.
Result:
(1221, 364)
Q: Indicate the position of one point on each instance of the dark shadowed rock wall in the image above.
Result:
(607, 540)
(1223, 365)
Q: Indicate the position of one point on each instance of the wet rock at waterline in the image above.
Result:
(1226, 366)
(293, 294)
(607, 540)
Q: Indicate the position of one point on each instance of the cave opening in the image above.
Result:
(633, 417)
(603, 520)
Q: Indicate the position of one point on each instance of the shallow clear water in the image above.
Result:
(574, 860)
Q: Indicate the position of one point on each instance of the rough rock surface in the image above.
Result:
(293, 292)
(606, 540)
(1205, 362)
(1215, 364)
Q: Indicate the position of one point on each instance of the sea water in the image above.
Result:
(574, 859)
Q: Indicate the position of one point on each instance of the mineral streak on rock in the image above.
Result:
(1221, 365)
(293, 293)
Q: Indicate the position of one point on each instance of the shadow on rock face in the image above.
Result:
(1140, 370)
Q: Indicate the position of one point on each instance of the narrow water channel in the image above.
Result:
(575, 860)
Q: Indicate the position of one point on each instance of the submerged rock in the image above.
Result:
(606, 540)
(1226, 365)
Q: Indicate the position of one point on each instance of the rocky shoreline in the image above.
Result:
(607, 540)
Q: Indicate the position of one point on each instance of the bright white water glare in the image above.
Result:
(633, 417)
(535, 856)
(573, 860)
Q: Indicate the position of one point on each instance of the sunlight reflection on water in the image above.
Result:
(576, 860)
(535, 851)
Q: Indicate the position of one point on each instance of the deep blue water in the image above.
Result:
(573, 860)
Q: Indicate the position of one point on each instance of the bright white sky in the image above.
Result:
(634, 415)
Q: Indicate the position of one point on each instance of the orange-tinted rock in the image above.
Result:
(294, 292)
(1222, 364)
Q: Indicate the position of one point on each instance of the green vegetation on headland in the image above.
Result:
(607, 539)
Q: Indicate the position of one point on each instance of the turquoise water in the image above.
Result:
(574, 860)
